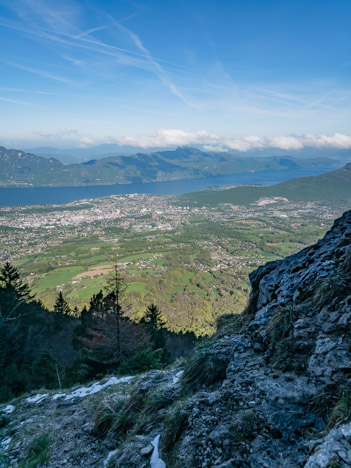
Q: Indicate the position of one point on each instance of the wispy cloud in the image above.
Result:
(71, 35)
(29, 91)
(299, 105)
(71, 134)
(42, 73)
(104, 51)
(158, 69)
(14, 101)
(92, 30)
(41, 21)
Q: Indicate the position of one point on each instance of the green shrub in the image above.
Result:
(15, 382)
(336, 286)
(118, 416)
(144, 406)
(44, 371)
(331, 402)
(333, 464)
(142, 361)
(157, 400)
(326, 291)
(321, 403)
(244, 426)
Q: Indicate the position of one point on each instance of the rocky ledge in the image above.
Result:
(272, 389)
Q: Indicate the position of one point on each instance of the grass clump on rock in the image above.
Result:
(334, 288)
(341, 413)
(284, 352)
(229, 324)
(108, 414)
(118, 414)
(204, 367)
(175, 424)
(38, 452)
(146, 403)
(281, 322)
(244, 427)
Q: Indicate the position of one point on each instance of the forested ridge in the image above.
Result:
(54, 349)
(21, 169)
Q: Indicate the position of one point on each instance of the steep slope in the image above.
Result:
(331, 186)
(18, 168)
(277, 392)
(272, 389)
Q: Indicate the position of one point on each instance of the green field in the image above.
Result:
(181, 277)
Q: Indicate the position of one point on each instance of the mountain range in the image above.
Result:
(77, 155)
(21, 169)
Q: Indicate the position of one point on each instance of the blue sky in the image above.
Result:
(225, 74)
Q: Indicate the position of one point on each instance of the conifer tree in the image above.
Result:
(153, 317)
(154, 323)
(97, 304)
(86, 316)
(61, 305)
(10, 278)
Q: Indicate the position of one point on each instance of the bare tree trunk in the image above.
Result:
(118, 328)
(116, 286)
(58, 377)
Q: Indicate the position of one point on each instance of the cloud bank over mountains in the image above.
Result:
(213, 142)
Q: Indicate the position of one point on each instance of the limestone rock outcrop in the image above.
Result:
(273, 388)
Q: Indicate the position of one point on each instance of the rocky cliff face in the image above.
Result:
(272, 389)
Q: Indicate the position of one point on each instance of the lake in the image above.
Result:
(57, 195)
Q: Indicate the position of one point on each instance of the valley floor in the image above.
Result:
(191, 260)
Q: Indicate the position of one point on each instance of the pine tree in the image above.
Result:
(86, 316)
(154, 324)
(116, 287)
(61, 305)
(10, 278)
(97, 304)
(153, 317)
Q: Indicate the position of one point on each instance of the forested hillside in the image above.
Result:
(54, 349)
(331, 186)
(20, 169)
